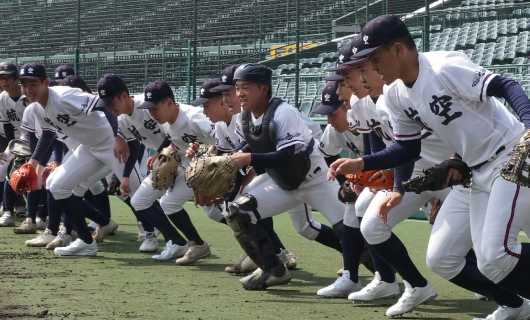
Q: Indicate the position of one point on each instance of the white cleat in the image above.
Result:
(341, 288)
(171, 251)
(41, 240)
(62, 240)
(77, 248)
(7, 220)
(410, 299)
(150, 243)
(507, 313)
(376, 289)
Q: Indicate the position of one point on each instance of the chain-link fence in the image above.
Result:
(186, 41)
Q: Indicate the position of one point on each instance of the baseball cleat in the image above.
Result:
(171, 251)
(77, 248)
(341, 288)
(41, 240)
(7, 220)
(61, 240)
(26, 227)
(410, 299)
(194, 253)
(261, 280)
(103, 231)
(150, 243)
(376, 289)
(507, 313)
(245, 265)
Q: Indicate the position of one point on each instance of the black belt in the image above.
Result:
(478, 166)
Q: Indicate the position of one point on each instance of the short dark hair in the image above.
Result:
(75, 81)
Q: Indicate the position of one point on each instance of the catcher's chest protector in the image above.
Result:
(262, 139)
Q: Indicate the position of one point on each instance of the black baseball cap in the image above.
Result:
(8, 69)
(63, 71)
(156, 92)
(206, 92)
(330, 101)
(109, 86)
(254, 72)
(379, 32)
(33, 71)
(227, 79)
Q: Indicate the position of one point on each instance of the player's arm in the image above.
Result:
(57, 152)
(512, 92)
(9, 131)
(134, 152)
(41, 154)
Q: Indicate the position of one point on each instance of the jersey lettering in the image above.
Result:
(441, 106)
(65, 119)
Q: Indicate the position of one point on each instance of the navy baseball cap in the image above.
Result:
(109, 86)
(63, 71)
(254, 72)
(155, 92)
(379, 32)
(8, 69)
(33, 71)
(227, 79)
(207, 92)
(330, 101)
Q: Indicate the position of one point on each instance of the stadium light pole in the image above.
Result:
(297, 55)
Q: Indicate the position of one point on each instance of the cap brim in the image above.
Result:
(221, 88)
(199, 101)
(324, 109)
(146, 105)
(30, 78)
(7, 73)
(355, 61)
(334, 77)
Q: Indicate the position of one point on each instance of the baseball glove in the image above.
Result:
(517, 169)
(378, 179)
(436, 178)
(211, 178)
(165, 168)
(24, 179)
(346, 193)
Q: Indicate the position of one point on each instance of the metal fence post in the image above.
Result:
(297, 56)
(189, 71)
(78, 40)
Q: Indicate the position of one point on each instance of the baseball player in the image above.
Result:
(183, 124)
(293, 172)
(135, 124)
(77, 115)
(12, 104)
(446, 92)
(342, 133)
(54, 236)
(227, 141)
(62, 72)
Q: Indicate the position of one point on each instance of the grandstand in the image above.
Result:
(185, 41)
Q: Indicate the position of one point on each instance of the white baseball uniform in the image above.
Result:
(450, 98)
(69, 110)
(30, 123)
(190, 126)
(11, 111)
(227, 140)
(139, 125)
(315, 190)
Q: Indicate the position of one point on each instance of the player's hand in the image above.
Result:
(378, 175)
(241, 159)
(436, 204)
(124, 186)
(150, 162)
(121, 149)
(391, 200)
(192, 150)
(344, 166)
